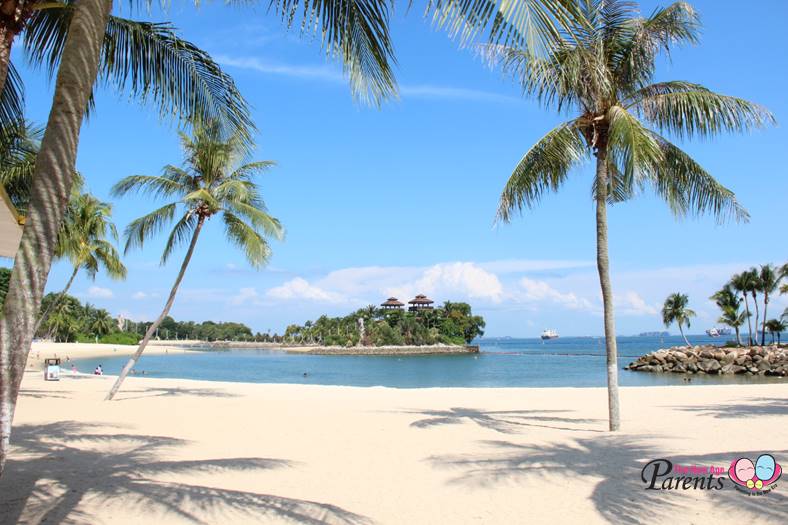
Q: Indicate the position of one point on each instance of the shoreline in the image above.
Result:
(417, 456)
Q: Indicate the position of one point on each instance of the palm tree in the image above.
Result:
(776, 326)
(83, 240)
(210, 184)
(743, 283)
(602, 68)
(675, 311)
(103, 323)
(768, 280)
(728, 301)
(753, 286)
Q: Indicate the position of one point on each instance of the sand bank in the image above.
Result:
(43, 350)
(177, 451)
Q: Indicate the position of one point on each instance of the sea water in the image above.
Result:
(502, 362)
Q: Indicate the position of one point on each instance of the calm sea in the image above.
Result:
(568, 361)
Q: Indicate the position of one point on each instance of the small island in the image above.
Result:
(390, 330)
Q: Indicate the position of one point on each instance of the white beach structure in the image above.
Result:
(10, 227)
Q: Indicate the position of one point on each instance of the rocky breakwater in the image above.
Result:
(755, 360)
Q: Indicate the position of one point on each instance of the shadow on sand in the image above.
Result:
(759, 406)
(506, 421)
(48, 476)
(126, 395)
(620, 496)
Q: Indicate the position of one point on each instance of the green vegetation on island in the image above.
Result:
(451, 324)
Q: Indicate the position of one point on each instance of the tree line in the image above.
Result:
(733, 300)
(452, 324)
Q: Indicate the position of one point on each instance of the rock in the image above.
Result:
(736, 369)
(680, 356)
(692, 367)
(719, 355)
(706, 354)
(741, 359)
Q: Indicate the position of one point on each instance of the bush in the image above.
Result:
(120, 338)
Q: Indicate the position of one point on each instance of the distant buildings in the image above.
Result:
(420, 302)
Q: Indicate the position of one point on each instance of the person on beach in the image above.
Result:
(73, 369)
(98, 371)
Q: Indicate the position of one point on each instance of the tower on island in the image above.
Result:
(420, 302)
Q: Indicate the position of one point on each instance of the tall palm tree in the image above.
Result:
(211, 183)
(753, 286)
(603, 70)
(743, 283)
(83, 240)
(52, 181)
(675, 311)
(728, 301)
(768, 281)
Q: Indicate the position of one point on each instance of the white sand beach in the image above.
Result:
(177, 451)
(46, 349)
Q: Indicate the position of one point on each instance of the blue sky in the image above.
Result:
(401, 199)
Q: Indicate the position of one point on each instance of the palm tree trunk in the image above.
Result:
(52, 181)
(765, 316)
(55, 301)
(681, 330)
(6, 38)
(738, 337)
(152, 330)
(603, 267)
(757, 315)
(749, 321)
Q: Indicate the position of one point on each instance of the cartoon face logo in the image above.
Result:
(755, 477)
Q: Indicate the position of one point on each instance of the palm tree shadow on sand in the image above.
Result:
(50, 476)
(506, 421)
(620, 497)
(753, 407)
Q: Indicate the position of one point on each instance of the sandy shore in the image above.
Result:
(43, 350)
(177, 451)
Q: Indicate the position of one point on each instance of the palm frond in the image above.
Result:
(543, 168)
(701, 113)
(151, 185)
(632, 148)
(357, 32)
(246, 238)
(150, 62)
(12, 98)
(633, 64)
(109, 258)
(139, 230)
(181, 233)
(689, 189)
(259, 218)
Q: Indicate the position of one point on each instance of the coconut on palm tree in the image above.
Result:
(602, 69)
(675, 311)
(85, 239)
(211, 184)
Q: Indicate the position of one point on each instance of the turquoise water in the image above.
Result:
(570, 361)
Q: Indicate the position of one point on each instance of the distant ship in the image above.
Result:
(653, 334)
(716, 332)
(549, 334)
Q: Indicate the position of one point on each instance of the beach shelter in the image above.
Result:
(10, 226)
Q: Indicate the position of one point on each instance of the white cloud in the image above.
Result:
(532, 290)
(299, 288)
(332, 74)
(98, 292)
(459, 279)
(139, 296)
(630, 303)
(245, 295)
